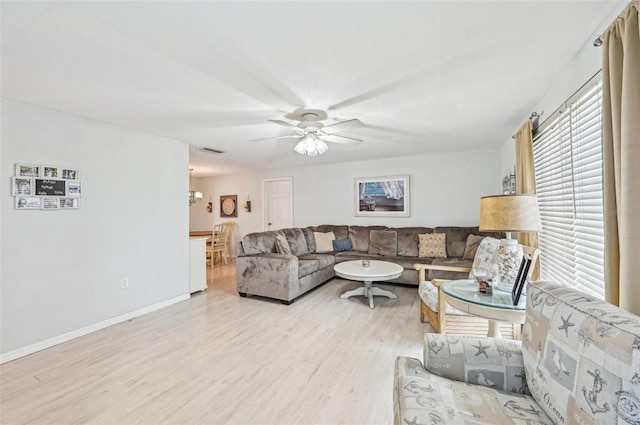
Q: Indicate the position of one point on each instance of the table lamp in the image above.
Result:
(509, 213)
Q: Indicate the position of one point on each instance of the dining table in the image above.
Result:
(200, 233)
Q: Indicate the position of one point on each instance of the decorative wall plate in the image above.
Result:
(229, 206)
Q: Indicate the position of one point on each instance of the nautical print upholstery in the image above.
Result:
(580, 358)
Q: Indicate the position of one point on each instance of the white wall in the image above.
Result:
(62, 270)
(584, 65)
(199, 217)
(445, 190)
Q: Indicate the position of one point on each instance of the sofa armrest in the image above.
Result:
(422, 269)
(270, 275)
(492, 362)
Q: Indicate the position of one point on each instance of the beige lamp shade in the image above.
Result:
(509, 213)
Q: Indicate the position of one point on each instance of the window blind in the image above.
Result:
(568, 168)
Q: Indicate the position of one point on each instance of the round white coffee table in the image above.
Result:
(377, 271)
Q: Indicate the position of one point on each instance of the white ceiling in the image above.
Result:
(423, 77)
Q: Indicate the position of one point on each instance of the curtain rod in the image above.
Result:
(633, 4)
(534, 115)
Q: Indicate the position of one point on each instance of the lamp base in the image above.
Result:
(508, 257)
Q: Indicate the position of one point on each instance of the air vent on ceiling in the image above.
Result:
(209, 150)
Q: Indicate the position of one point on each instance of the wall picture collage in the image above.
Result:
(43, 187)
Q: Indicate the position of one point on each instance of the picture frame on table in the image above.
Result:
(521, 279)
(385, 196)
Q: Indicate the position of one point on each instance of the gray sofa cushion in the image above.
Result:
(324, 260)
(457, 238)
(306, 267)
(282, 245)
(308, 236)
(297, 241)
(341, 232)
(359, 236)
(259, 243)
(356, 255)
(408, 239)
(407, 262)
(383, 242)
(471, 247)
(441, 274)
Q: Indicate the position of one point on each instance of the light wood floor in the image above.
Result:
(221, 359)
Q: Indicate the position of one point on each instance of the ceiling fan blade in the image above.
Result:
(292, 136)
(343, 126)
(284, 124)
(343, 140)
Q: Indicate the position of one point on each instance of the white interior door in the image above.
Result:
(277, 195)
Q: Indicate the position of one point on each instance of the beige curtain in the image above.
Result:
(526, 181)
(621, 159)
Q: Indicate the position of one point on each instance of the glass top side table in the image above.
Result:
(498, 307)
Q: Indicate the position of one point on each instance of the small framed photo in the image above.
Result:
(68, 203)
(28, 203)
(24, 170)
(22, 186)
(521, 279)
(50, 203)
(74, 189)
(51, 172)
(69, 174)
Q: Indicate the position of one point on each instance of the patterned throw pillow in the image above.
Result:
(483, 260)
(324, 241)
(433, 245)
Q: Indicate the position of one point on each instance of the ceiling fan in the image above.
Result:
(313, 134)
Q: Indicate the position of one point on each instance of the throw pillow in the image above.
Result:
(433, 245)
(470, 248)
(483, 260)
(340, 245)
(282, 245)
(324, 241)
(383, 242)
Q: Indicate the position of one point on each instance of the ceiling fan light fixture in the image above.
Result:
(311, 145)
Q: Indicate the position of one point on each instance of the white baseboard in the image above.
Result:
(47, 343)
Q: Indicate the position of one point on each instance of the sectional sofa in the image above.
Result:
(285, 264)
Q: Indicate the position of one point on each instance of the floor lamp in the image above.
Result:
(509, 213)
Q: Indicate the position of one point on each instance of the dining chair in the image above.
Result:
(218, 243)
(229, 238)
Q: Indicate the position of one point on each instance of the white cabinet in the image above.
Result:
(197, 264)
